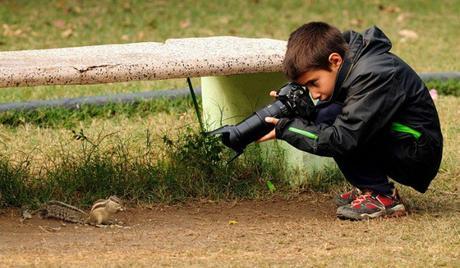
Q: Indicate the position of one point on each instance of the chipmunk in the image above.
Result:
(101, 211)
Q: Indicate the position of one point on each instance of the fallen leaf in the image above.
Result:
(408, 34)
(67, 33)
(356, 22)
(224, 19)
(389, 9)
(140, 35)
(184, 24)
(126, 6)
(77, 10)
(9, 30)
(232, 222)
(401, 17)
(60, 24)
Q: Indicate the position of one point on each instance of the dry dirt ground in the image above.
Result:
(300, 232)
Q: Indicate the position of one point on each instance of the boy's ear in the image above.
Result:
(335, 60)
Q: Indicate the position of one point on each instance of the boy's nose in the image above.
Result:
(315, 96)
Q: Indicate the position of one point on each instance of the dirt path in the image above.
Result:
(301, 232)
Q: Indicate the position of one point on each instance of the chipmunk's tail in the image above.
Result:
(62, 211)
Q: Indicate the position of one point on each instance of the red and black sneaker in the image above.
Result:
(371, 205)
(348, 197)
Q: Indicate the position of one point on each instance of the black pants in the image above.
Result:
(365, 168)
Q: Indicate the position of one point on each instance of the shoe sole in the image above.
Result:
(396, 211)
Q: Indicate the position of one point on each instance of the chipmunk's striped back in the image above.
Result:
(62, 211)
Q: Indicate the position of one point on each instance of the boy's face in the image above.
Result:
(321, 83)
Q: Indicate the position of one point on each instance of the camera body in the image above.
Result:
(293, 100)
(297, 100)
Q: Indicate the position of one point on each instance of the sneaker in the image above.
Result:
(348, 197)
(371, 205)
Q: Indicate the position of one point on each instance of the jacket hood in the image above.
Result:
(372, 40)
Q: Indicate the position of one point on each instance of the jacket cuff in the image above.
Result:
(281, 127)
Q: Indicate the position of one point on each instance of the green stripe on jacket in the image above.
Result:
(304, 133)
(405, 129)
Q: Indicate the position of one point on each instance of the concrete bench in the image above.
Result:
(176, 58)
(236, 73)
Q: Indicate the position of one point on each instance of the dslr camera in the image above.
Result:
(293, 100)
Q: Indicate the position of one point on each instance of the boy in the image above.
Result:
(375, 116)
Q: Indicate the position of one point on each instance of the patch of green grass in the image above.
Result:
(69, 119)
(60, 23)
(66, 118)
(174, 168)
(182, 171)
(20, 94)
(15, 190)
(188, 165)
(193, 166)
(445, 87)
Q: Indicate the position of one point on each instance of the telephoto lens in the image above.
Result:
(251, 129)
(292, 99)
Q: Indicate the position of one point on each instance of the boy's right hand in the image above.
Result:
(272, 134)
(273, 94)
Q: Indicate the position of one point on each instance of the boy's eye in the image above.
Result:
(314, 83)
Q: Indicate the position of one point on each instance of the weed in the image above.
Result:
(14, 184)
(193, 166)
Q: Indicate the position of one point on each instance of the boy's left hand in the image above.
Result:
(272, 134)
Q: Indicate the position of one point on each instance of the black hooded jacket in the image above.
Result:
(381, 95)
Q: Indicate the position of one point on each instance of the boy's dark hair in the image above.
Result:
(309, 48)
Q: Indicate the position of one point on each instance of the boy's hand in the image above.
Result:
(272, 134)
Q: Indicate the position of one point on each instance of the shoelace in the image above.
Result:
(355, 192)
(361, 199)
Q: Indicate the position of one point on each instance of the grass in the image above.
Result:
(448, 87)
(60, 23)
(142, 166)
(130, 155)
(148, 151)
(74, 91)
(153, 152)
(191, 166)
(69, 119)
